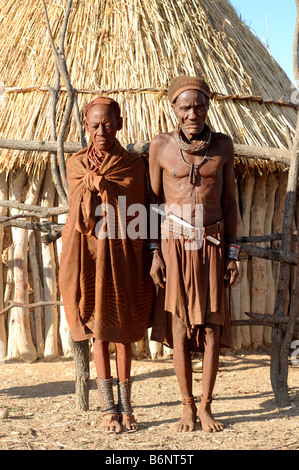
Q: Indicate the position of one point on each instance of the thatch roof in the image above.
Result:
(133, 45)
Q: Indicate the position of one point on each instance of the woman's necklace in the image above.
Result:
(194, 167)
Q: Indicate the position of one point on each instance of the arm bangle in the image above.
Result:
(233, 252)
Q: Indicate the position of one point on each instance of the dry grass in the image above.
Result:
(138, 44)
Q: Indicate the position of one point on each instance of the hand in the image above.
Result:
(231, 272)
(158, 271)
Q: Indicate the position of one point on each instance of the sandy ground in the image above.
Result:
(40, 400)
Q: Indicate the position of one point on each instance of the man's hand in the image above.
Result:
(158, 271)
(231, 272)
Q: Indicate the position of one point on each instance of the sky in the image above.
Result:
(274, 21)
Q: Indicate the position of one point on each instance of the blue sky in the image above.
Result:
(274, 20)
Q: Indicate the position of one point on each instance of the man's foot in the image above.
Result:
(208, 423)
(110, 423)
(188, 421)
(129, 423)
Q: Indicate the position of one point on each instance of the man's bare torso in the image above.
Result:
(209, 177)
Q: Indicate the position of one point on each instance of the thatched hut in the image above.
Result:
(130, 50)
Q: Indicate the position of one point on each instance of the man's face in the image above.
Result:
(191, 109)
(102, 122)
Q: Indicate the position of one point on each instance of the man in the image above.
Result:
(104, 274)
(194, 166)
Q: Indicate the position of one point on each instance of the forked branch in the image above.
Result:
(58, 166)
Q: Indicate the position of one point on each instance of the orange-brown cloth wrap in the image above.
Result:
(194, 291)
(104, 282)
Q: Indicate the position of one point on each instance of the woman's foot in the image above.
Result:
(110, 423)
(208, 423)
(129, 422)
(188, 421)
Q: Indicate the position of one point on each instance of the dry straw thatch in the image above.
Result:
(134, 45)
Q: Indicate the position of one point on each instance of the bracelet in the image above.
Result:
(153, 246)
(233, 251)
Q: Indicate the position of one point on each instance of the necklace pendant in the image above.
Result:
(192, 174)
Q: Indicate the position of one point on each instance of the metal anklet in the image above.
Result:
(105, 388)
(124, 397)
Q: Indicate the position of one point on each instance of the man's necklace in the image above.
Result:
(194, 167)
(193, 147)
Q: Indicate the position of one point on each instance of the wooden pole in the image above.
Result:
(274, 154)
(12, 349)
(49, 278)
(34, 185)
(259, 279)
(81, 360)
(235, 290)
(3, 336)
(37, 295)
(281, 343)
(279, 358)
(63, 325)
(271, 188)
(22, 335)
(246, 192)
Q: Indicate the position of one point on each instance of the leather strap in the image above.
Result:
(188, 401)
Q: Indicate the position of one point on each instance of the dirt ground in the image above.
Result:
(40, 399)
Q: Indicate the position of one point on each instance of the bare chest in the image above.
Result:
(196, 170)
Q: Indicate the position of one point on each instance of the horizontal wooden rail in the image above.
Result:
(148, 90)
(243, 151)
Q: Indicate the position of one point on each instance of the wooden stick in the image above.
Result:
(160, 91)
(281, 345)
(22, 334)
(246, 193)
(57, 170)
(267, 318)
(263, 238)
(287, 228)
(3, 335)
(267, 253)
(81, 359)
(12, 304)
(46, 212)
(281, 326)
(296, 45)
(46, 227)
(278, 155)
(271, 191)
(49, 277)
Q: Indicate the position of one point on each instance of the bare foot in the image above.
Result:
(110, 423)
(188, 421)
(208, 423)
(129, 423)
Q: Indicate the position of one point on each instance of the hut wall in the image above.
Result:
(28, 271)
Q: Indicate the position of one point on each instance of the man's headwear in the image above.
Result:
(102, 100)
(183, 83)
